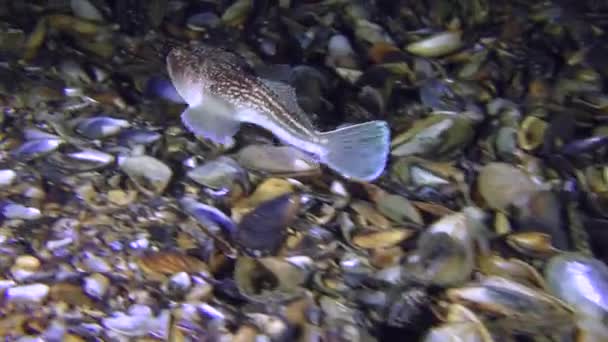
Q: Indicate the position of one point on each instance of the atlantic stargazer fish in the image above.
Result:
(222, 93)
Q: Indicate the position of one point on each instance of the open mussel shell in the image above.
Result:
(269, 279)
(380, 239)
(511, 268)
(399, 209)
(439, 258)
(534, 244)
(263, 230)
(408, 308)
(420, 172)
(150, 175)
(462, 324)
(437, 136)
(439, 96)
(445, 252)
(540, 212)
(277, 160)
(501, 184)
(531, 133)
(528, 309)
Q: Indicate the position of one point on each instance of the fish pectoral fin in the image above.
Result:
(211, 121)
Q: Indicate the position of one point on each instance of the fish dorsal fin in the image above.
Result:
(287, 95)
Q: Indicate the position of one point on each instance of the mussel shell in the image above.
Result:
(202, 21)
(277, 160)
(263, 230)
(580, 281)
(33, 149)
(437, 95)
(12, 210)
(531, 133)
(212, 218)
(441, 260)
(409, 309)
(132, 137)
(439, 44)
(100, 127)
(218, 174)
(149, 174)
(268, 279)
(505, 297)
(501, 184)
(80, 161)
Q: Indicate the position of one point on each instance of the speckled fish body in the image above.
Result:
(222, 92)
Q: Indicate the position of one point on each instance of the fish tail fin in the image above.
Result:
(358, 152)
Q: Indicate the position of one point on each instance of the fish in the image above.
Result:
(222, 92)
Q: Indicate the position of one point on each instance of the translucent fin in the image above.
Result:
(287, 95)
(212, 120)
(358, 152)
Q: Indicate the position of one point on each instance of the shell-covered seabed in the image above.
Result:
(489, 222)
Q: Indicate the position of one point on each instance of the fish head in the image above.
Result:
(186, 68)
